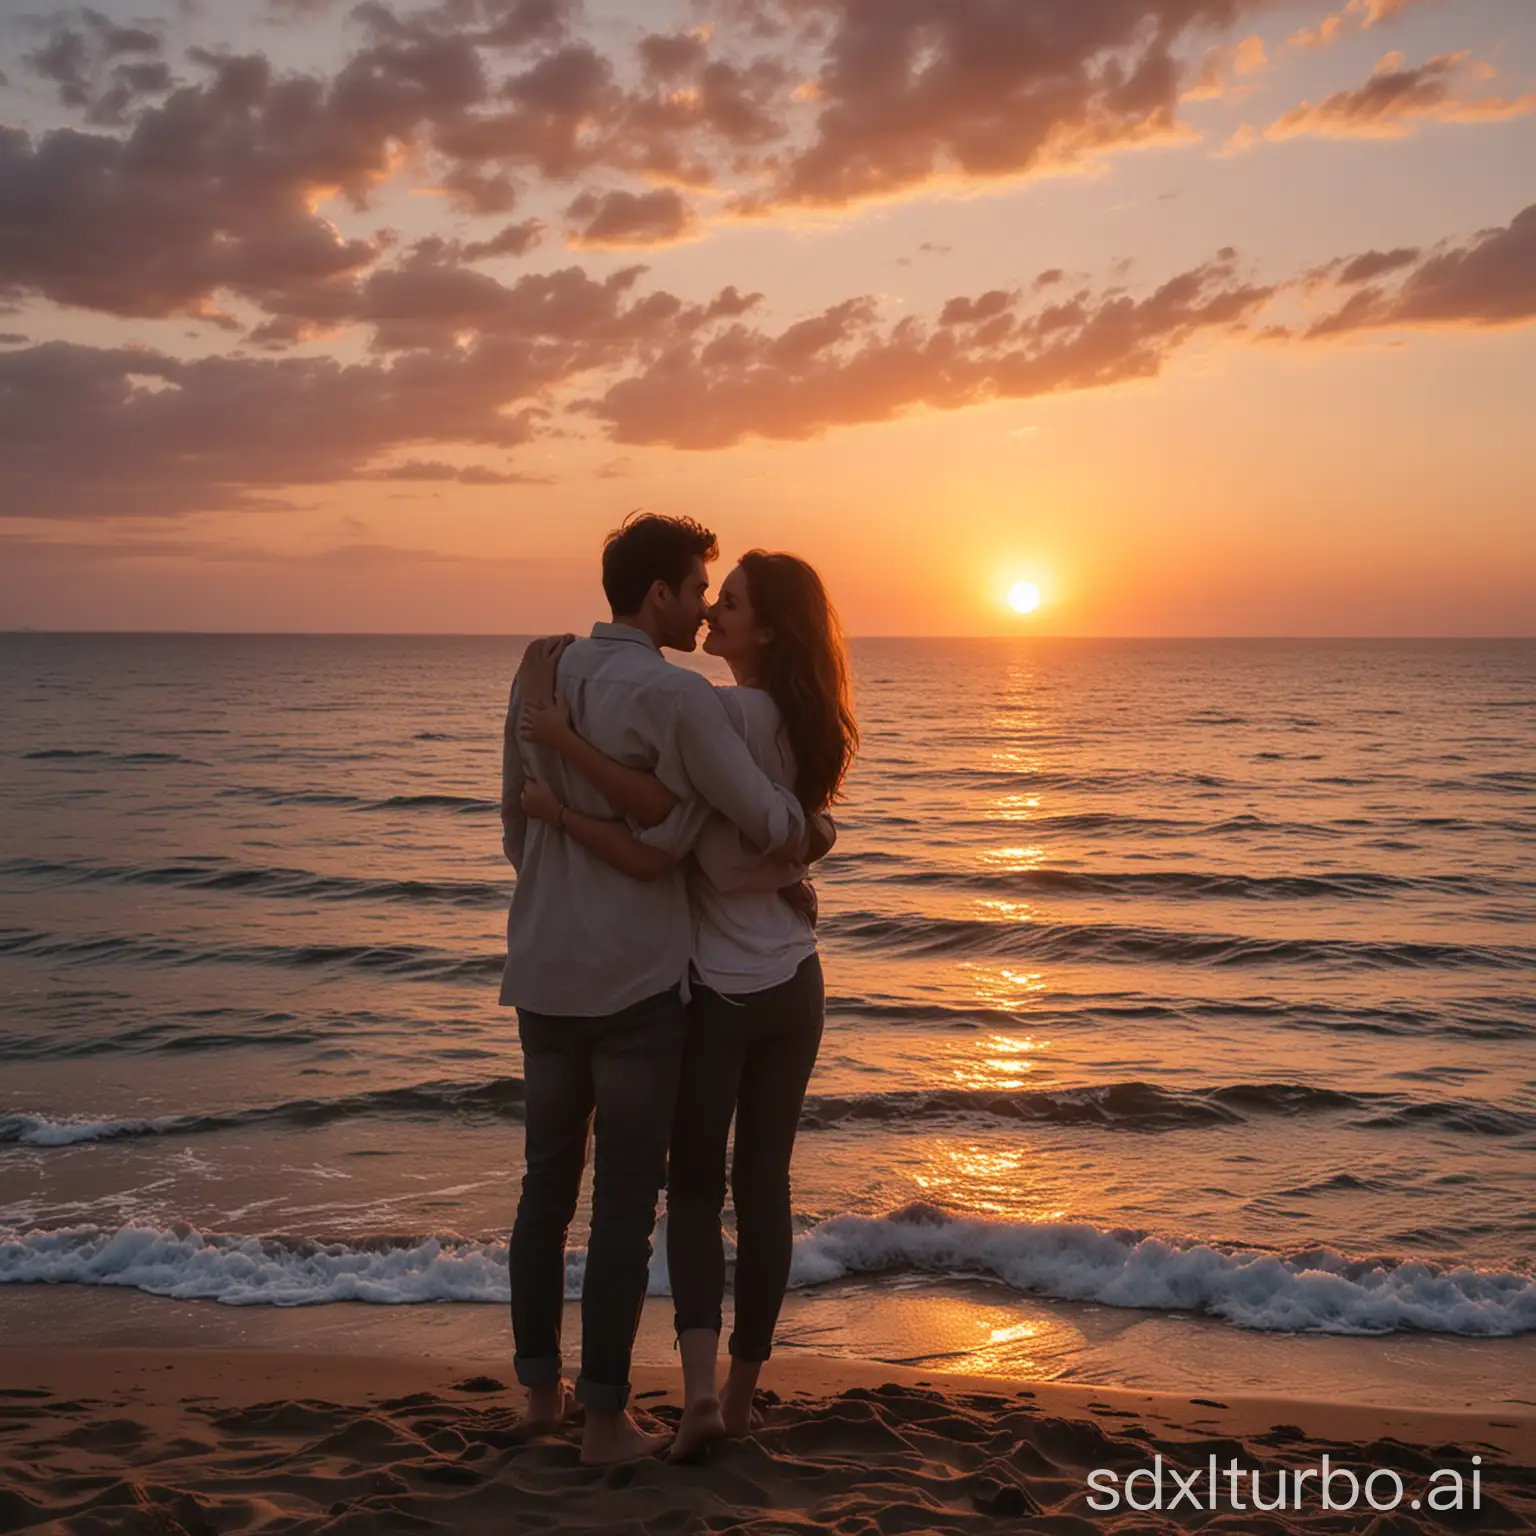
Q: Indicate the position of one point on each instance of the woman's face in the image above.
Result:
(734, 633)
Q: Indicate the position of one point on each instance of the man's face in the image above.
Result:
(682, 612)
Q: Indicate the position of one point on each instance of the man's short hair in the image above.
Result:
(647, 548)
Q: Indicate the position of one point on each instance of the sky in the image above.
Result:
(1205, 317)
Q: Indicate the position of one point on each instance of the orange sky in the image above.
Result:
(1206, 318)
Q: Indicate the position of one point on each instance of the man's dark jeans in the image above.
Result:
(619, 1070)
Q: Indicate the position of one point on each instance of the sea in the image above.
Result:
(1181, 1004)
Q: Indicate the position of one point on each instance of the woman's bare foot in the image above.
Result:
(546, 1410)
(700, 1427)
(611, 1437)
(736, 1399)
(736, 1411)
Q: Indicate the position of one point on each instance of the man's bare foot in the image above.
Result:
(611, 1437)
(700, 1427)
(546, 1410)
(737, 1413)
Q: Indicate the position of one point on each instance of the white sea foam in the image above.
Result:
(184, 1263)
(35, 1131)
(1318, 1291)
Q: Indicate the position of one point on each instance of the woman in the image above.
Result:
(755, 1019)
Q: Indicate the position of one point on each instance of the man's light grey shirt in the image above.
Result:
(582, 939)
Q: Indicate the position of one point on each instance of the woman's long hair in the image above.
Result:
(804, 669)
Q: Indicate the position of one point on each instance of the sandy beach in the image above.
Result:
(205, 1440)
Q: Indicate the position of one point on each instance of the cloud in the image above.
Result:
(361, 554)
(1321, 36)
(1489, 280)
(512, 240)
(88, 432)
(1373, 264)
(217, 187)
(1242, 60)
(1361, 14)
(938, 90)
(434, 471)
(429, 301)
(507, 23)
(844, 366)
(91, 61)
(475, 190)
(569, 112)
(668, 55)
(95, 432)
(1242, 139)
(631, 219)
(1396, 99)
(297, 10)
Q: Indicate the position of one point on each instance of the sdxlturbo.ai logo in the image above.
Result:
(1163, 1486)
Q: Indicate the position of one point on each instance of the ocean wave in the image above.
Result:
(502, 1096)
(213, 873)
(269, 796)
(1105, 780)
(1146, 1106)
(1509, 781)
(50, 754)
(95, 1022)
(148, 1040)
(913, 936)
(462, 805)
(1132, 1105)
(1195, 884)
(219, 874)
(1466, 1016)
(415, 962)
(1315, 1290)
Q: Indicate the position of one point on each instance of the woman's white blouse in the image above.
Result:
(746, 937)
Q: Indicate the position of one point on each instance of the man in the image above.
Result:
(597, 968)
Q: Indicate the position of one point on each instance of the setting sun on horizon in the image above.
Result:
(1024, 597)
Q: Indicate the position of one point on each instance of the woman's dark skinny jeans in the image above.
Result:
(749, 1056)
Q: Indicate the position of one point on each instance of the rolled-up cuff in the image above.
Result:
(601, 1396)
(537, 1370)
(750, 1351)
(685, 1322)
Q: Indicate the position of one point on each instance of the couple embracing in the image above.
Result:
(661, 955)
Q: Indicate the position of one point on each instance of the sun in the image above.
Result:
(1024, 597)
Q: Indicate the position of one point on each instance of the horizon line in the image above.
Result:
(435, 634)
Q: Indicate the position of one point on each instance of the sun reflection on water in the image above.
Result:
(1015, 807)
(970, 1327)
(984, 1180)
(999, 1062)
(1014, 860)
(1001, 986)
